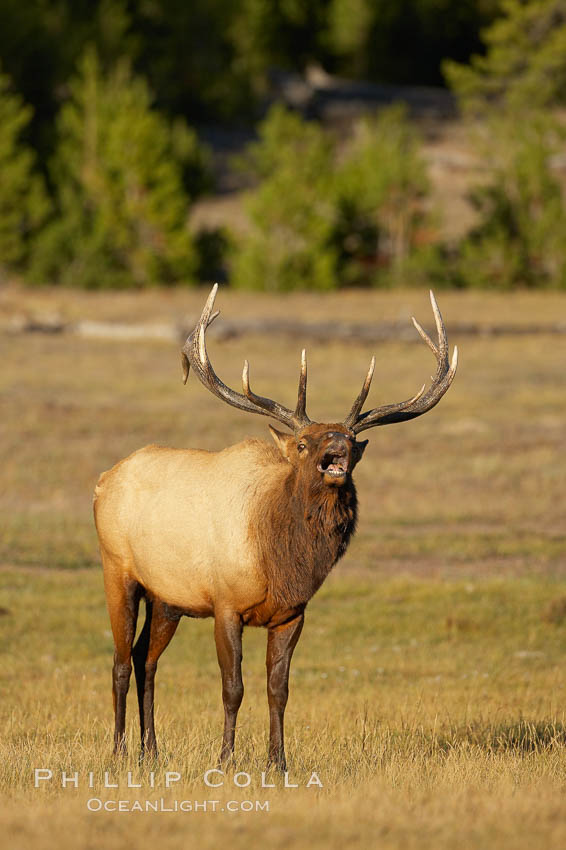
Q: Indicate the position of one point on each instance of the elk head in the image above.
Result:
(330, 451)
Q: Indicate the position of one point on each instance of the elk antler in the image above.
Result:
(194, 354)
(422, 401)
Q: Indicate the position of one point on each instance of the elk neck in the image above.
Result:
(302, 527)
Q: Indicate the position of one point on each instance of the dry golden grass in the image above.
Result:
(428, 688)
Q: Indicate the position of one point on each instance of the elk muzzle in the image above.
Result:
(336, 459)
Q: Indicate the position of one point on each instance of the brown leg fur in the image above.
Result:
(228, 636)
(122, 598)
(281, 642)
(158, 629)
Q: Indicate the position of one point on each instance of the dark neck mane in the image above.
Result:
(302, 529)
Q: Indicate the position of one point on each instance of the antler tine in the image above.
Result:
(206, 319)
(273, 408)
(301, 408)
(440, 329)
(442, 348)
(194, 354)
(423, 401)
(359, 402)
(425, 336)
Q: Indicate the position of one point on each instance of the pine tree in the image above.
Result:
(322, 218)
(121, 204)
(291, 211)
(514, 90)
(524, 67)
(23, 201)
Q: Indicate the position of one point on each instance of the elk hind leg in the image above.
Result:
(159, 627)
(122, 598)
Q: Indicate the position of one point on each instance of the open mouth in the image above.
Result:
(333, 465)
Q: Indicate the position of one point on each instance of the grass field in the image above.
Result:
(428, 688)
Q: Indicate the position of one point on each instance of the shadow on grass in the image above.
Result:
(520, 737)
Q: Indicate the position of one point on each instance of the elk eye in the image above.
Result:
(301, 447)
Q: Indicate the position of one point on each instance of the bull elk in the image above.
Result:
(245, 535)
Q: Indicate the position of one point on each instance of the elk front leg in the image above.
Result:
(281, 642)
(228, 637)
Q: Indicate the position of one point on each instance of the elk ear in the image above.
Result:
(282, 441)
(359, 448)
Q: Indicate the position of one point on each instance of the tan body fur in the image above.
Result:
(162, 518)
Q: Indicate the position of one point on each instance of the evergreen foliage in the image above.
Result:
(380, 191)
(121, 207)
(519, 238)
(525, 63)
(319, 219)
(98, 175)
(291, 211)
(398, 42)
(23, 201)
(209, 59)
(521, 208)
